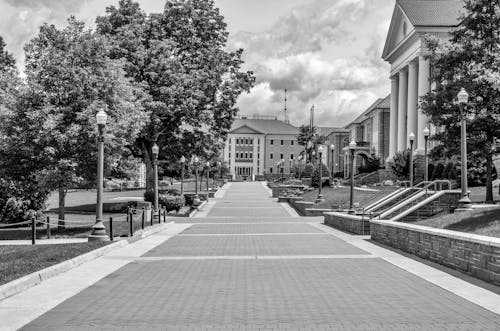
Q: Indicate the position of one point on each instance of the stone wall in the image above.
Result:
(346, 222)
(301, 206)
(478, 256)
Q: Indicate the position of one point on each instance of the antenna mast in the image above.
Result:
(286, 119)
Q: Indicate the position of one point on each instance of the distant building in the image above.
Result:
(339, 137)
(254, 146)
(370, 131)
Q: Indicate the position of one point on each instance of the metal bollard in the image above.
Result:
(131, 222)
(33, 231)
(143, 218)
(48, 227)
(111, 235)
(152, 215)
(164, 216)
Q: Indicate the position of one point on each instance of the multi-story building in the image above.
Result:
(339, 137)
(370, 131)
(255, 145)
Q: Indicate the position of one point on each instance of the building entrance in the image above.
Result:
(244, 173)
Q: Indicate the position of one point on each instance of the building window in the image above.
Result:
(292, 142)
(291, 156)
(251, 155)
(237, 155)
(258, 155)
(272, 142)
(271, 156)
(281, 156)
(270, 170)
(282, 142)
(229, 141)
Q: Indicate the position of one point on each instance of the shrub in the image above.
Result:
(171, 202)
(438, 172)
(20, 200)
(308, 170)
(149, 195)
(316, 177)
(447, 169)
(430, 170)
(170, 191)
(189, 198)
(339, 174)
(401, 164)
(371, 164)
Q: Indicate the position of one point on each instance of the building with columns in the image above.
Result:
(410, 71)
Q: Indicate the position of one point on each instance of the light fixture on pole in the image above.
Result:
(282, 168)
(320, 172)
(332, 149)
(196, 200)
(98, 229)
(183, 162)
(463, 100)
(299, 158)
(291, 167)
(352, 149)
(155, 150)
(412, 140)
(208, 173)
(278, 169)
(426, 157)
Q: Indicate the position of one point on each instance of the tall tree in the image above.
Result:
(53, 132)
(179, 56)
(309, 138)
(469, 60)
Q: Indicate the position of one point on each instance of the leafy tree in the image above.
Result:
(180, 59)
(315, 178)
(308, 134)
(469, 60)
(401, 164)
(371, 163)
(52, 132)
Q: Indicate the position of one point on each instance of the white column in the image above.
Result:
(412, 110)
(424, 86)
(393, 121)
(402, 106)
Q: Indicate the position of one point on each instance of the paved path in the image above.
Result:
(249, 264)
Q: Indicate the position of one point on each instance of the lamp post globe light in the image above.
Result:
(463, 100)
(196, 199)
(155, 150)
(282, 168)
(332, 149)
(412, 140)
(98, 229)
(426, 157)
(320, 172)
(352, 149)
(183, 162)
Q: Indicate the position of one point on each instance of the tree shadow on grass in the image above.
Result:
(476, 222)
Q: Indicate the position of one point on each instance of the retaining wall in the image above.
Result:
(347, 222)
(478, 256)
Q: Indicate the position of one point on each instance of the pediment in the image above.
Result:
(400, 30)
(245, 129)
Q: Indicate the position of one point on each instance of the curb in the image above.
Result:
(151, 230)
(18, 285)
(198, 208)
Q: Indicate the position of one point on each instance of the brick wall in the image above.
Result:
(478, 256)
(350, 223)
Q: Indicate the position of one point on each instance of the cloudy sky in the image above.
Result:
(325, 52)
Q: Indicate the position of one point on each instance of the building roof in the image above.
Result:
(381, 103)
(326, 131)
(433, 12)
(266, 126)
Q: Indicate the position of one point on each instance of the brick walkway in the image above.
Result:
(249, 265)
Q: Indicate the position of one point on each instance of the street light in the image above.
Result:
(183, 162)
(278, 169)
(196, 199)
(220, 170)
(412, 139)
(299, 158)
(208, 173)
(332, 148)
(426, 157)
(352, 149)
(282, 168)
(463, 99)
(291, 167)
(156, 150)
(98, 229)
(320, 169)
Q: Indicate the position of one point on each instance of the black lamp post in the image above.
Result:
(208, 173)
(299, 158)
(196, 197)
(183, 162)
(155, 151)
(332, 149)
(291, 167)
(426, 157)
(282, 168)
(320, 171)
(98, 229)
(412, 139)
(352, 149)
(463, 99)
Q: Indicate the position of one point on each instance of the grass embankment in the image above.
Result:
(485, 221)
(340, 196)
(19, 261)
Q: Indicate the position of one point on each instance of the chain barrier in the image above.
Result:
(13, 224)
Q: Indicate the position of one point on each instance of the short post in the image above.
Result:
(164, 215)
(143, 218)
(111, 234)
(152, 216)
(33, 231)
(363, 222)
(131, 222)
(48, 227)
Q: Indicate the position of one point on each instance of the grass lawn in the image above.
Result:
(18, 261)
(484, 222)
(340, 196)
(81, 230)
(86, 197)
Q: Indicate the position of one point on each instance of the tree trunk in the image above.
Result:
(62, 199)
(150, 176)
(489, 177)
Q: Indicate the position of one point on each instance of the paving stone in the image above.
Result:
(250, 228)
(256, 294)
